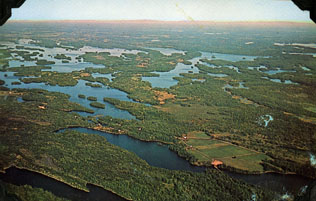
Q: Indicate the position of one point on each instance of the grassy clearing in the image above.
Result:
(198, 134)
(246, 162)
(206, 150)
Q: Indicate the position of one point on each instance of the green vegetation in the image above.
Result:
(16, 83)
(62, 57)
(4, 54)
(27, 56)
(202, 147)
(44, 62)
(92, 98)
(29, 48)
(97, 105)
(25, 193)
(54, 78)
(28, 71)
(81, 96)
(2, 82)
(93, 85)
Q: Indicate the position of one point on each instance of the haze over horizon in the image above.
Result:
(162, 10)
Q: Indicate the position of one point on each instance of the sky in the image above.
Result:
(167, 10)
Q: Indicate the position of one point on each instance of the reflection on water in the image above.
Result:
(217, 74)
(167, 51)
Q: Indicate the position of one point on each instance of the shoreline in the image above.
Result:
(227, 168)
(62, 181)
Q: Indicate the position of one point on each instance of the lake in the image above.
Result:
(161, 156)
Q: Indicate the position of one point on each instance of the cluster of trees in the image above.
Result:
(62, 57)
(25, 193)
(54, 78)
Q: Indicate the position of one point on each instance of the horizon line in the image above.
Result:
(160, 21)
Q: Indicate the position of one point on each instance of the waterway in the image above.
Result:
(74, 91)
(155, 154)
(278, 70)
(280, 81)
(20, 177)
(161, 156)
(165, 79)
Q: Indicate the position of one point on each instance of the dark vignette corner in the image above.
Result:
(5, 9)
(309, 5)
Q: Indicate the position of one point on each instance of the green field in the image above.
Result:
(206, 150)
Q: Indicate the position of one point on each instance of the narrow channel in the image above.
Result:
(161, 156)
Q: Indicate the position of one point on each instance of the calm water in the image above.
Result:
(305, 68)
(153, 153)
(160, 156)
(227, 57)
(257, 68)
(24, 177)
(80, 88)
(167, 51)
(165, 79)
(279, 81)
(217, 74)
(240, 86)
(109, 76)
(213, 66)
(272, 72)
(74, 64)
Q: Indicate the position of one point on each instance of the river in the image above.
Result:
(161, 156)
